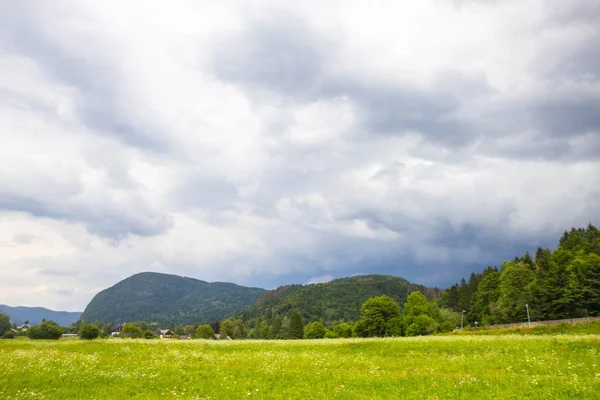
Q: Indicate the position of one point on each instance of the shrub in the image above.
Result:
(395, 327)
(8, 335)
(45, 330)
(314, 330)
(89, 332)
(147, 334)
(204, 332)
(331, 334)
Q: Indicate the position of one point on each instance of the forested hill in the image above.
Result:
(34, 315)
(558, 284)
(331, 302)
(166, 299)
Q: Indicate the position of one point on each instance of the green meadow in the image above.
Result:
(435, 367)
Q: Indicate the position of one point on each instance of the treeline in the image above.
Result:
(551, 285)
(47, 329)
(379, 316)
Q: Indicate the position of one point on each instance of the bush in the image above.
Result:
(314, 330)
(147, 334)
(422, 325)
(89, 332)
(8, 335)
(331, 334)
(45, 330)
(131, 330)
(343, 330)
(395, 327)
(204, 332)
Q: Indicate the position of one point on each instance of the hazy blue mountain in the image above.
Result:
(35, 315)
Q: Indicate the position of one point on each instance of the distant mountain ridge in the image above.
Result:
(169, 299)
(34, 315)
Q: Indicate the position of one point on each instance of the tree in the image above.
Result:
(416, 304)
(395, 327)
(483, 301)
(515, 281)
(89, 332)
(376, 312)
(4, 323)
(204, 332)
(421, 325)
(45, 330)
(296, 326)
(343, 330)
(226, 328)
(131, 330)
(276, 327)
(314, 330)
(239, 329)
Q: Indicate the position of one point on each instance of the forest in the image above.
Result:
(559, 284)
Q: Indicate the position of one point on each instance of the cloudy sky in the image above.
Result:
(266, 143)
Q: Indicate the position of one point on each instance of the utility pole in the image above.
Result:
(528, 320)
(462, 314)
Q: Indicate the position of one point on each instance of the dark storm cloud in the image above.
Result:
(31, 30)
(390, 109)
(102, 218)
(571, 114)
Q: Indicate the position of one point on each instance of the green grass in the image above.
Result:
(450, 367)
(587, 328)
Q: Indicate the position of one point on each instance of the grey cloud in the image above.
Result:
(285, 58)
(568, 115)
(560, 13)
(281, 56)
(205, 192)
(100, 218)
(58, 272)
(395, 110)
(23, 238)
(28, 29)
(280, 53)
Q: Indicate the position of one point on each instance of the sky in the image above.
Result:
(267, 143)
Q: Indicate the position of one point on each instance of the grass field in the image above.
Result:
(473, 367)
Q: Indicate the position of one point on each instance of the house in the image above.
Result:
(13, 331)
(185, 337)
(115, 330)
(69, 336)
(23, 328)
(219, 337)
(165, 334)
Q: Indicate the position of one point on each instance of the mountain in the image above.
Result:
(35, 315)
(166, 299)
(330, 302)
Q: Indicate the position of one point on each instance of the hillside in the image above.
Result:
(35, 315)
(166, 299)
(333, 301)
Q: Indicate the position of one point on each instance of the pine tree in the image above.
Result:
(296, 326)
